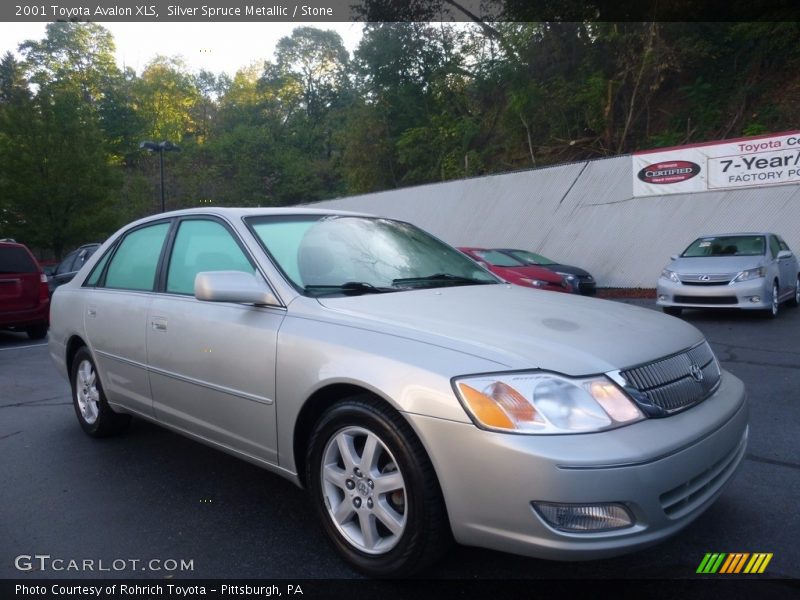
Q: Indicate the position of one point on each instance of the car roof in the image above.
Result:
(742, 233)
(241, 212)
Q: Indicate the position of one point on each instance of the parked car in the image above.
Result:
(71, 264)
(413, 394)
(750, 271)
(580, 280)
(24, 297)
(515, 271)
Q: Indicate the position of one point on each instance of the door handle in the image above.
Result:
(91, 311)
(159, 324)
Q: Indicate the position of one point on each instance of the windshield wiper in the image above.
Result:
(351, 288)
(441, 277)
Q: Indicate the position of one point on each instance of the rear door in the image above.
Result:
(115, 315)
(788, 269)
(19, 279)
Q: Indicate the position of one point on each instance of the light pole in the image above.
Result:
(160, 147)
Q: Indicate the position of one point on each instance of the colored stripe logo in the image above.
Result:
(734, 563)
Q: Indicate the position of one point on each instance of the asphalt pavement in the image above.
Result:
(154, 495)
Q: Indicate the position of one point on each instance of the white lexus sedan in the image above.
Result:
(415, 396)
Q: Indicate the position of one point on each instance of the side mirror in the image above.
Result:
(232, 286)
(785, 254)
(674, 257)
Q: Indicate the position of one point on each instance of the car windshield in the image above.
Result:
(498, 259)
(349, 255)
(531, 258)
(726, 245)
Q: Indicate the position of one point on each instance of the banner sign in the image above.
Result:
(740, 163)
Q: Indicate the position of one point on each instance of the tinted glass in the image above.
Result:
(98, 270)
(531, 257)
(134, 264)
(727, 245)
(14, 259)
(203, 246)
(65, 266)
(783, 244)
(330, 251)
(774, 246)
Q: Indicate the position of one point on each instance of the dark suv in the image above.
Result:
(24, 295)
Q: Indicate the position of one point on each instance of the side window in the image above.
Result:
(774, 246)
(134, 264)
(65, 266)
(94, 277)
(203, 245)
(783, 244)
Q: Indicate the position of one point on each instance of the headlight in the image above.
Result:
(750, 274)
(545, 403)
(534, 282)
(671, 275)
(568, 276)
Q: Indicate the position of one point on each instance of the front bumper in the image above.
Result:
(751, 295)
(665, 471)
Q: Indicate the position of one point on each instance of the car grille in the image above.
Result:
(686, 497)
(718, 279)
(706, 299)
(674, 383)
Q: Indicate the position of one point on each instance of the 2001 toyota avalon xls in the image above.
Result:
(412, 393)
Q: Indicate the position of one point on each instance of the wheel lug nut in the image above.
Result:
(370, 483)
(357, 472)
(350, 484)
(357, 502)
(369, 503)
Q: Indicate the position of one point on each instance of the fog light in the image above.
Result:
(584, 517)
(662, 297)
(755, 299)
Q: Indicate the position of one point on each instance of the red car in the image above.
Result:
(515, 271)
(24, 295)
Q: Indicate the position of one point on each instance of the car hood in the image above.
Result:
(567, 269)
(530, 271)
(710, 265)
(520, 328)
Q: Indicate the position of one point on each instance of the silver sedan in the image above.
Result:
(751, 271)
(418, 398)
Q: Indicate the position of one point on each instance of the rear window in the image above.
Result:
(14, 259)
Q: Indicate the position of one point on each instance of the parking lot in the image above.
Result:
(152, 494)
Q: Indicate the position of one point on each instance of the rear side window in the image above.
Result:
(774, 246)
(203, 245)
(14, 259)
(98, 270)
(136, 259)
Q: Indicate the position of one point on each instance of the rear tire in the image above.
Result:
(37, 332)
(94, 414)
(673, 311)
(375, 490)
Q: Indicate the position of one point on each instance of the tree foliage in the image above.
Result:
(417, 102)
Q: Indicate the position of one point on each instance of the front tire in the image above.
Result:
(775, 304)
(375, 489)
(94, 414)
(795, 301)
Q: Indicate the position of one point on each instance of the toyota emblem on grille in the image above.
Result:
(696, 372)
(704, 278)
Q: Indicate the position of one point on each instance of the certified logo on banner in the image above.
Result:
(739, 163)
